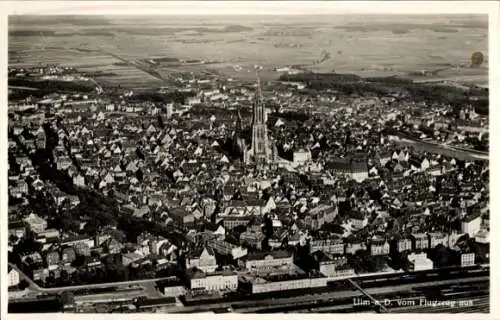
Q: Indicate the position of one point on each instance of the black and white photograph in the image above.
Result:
(246, 163)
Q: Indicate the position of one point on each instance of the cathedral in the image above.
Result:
(262, 152)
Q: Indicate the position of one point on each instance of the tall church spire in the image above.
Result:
(239, 122)
(259, 88)
(260, 149)
(259, 112)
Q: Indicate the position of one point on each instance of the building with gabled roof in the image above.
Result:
(202, 258)
(267, 260)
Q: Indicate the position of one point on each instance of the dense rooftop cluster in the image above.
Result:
(109, 187)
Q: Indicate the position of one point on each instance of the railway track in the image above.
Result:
(468, 294)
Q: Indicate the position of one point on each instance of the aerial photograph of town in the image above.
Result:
(248, 164)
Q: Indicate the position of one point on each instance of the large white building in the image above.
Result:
(320, 215)
(13, 279)
(215, 281)
(301, 157)
(36, 223)
(419, 261)
(203, 260)
(227, 249)
(355, 168)
(467, 259)
(269, 260)
(471, 224)
(332, 246)
(261, 285)
(483, 236)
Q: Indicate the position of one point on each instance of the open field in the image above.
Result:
(353, 45)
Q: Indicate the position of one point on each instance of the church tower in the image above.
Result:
(239, 145)
(259, 152)
(239, 125)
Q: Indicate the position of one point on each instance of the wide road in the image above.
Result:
(36, 287)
